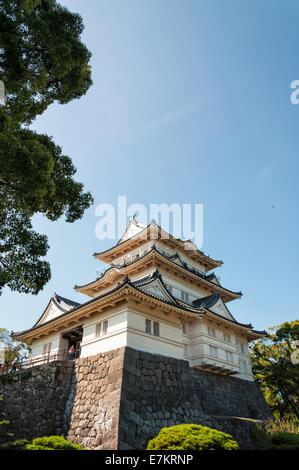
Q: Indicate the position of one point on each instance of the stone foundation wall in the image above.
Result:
(121, 399)
(228, 395)
(159, 391)
(92, 409)
(34, 400)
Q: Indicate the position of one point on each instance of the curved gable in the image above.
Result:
(132, 229)
(155, 286)
(56, 307)
(52, 311)
(221, 309)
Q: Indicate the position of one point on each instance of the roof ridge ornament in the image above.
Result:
(126, 280)
(156, 273)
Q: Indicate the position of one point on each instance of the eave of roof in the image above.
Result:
(120, 285)
(262, 332)
(169, 258)
(201, 254)
(127, 282)
(69, 302)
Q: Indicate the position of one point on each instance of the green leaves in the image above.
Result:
(192, 437)
(20, 250)
(52, 443)
(274, 370)
(38, 178)
(13, 349)
(42, 58)
(42, 61)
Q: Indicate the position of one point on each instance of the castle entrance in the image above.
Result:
(74, 338)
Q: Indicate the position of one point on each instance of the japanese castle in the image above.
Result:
(158, 295)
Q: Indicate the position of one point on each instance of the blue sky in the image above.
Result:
(190, 104)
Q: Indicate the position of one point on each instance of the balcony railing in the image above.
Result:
(40, 360)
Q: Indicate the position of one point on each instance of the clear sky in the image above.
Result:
(190, 104)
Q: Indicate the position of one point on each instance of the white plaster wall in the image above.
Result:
(200, 342)
(169, 328)
(117, 320)
(104, 344)
(37, 347)
(244, 356)
(169, 343)
(116, 336)
(126, 327)
(155, 344)
(178, 287)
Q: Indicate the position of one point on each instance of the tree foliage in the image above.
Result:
(192, 437)
(276, 371)
(42, 61)
(12, 349)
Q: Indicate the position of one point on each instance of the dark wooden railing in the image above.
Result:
(42, 359)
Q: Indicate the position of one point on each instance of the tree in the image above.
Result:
(12, 349)
(42, 61)
(276, 371)
(38, 181)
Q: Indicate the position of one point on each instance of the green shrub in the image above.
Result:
(192, 437)
(284, 441)
(52, 443)
(279, 434)
(20, 444)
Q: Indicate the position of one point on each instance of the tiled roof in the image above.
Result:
(169, 257)
(199, 308)
(207, 302)
(61, 299)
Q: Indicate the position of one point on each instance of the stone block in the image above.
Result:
(130, 394)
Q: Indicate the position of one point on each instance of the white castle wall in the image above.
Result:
(126, 327)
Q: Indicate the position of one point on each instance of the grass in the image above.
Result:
(272, 426)
(277, 434)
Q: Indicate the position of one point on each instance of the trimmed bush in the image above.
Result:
(52, 443)
(284, 441)
(192, 437)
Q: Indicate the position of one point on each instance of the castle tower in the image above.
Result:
(157, 295)
(155, 345)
